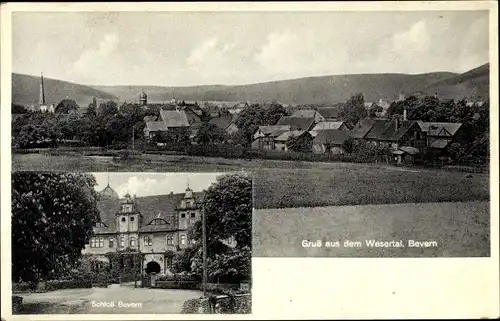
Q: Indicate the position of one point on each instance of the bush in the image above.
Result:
(68, 284)
(23, 286)
(126, 155)
(179, 277)
(185, 285)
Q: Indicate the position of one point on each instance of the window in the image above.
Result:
(122, 241)
(101, 242)
(170, 240)
(111, 242)
(92, 242)
(132, 219)
(183, 239)
(183, 215)
(148, 240)
(132, 241)
(193, 214)
(123, 219)
(127, 208)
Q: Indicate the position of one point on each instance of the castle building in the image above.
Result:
(154, 226)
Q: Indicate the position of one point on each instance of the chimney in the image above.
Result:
(405, 115)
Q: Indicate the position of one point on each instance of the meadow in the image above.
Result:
(284, 184)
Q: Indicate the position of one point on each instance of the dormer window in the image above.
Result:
(158, 221)
(100, 224)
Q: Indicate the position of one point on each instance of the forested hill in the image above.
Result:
(26, 91)
(473, 84)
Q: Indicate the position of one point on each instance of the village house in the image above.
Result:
(225, 121)
(297, 123)
(390, 132)
(280, 141)
(264, 137)
(324, 125)
(329, 113)
(329, 141)
(308, 113)
(155, 226)
(171, 121)
(440, 135)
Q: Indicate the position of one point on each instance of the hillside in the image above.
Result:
(313, 90)
(159, 93)
(473, 84)
(26, 91)
(326, 89)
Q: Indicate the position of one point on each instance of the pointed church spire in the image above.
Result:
(41, 100)
(108, 179)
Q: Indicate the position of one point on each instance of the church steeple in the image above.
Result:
(41, 100)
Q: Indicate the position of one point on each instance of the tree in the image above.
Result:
(354, 110)
(18, 109)
(302, 143)
(348, 145)
(65, 106)
(249, 120)
(210, 134)
(107, 109)
(182, 260)
(52, 219)
(228, 208)
(91, 109)
(274, 113)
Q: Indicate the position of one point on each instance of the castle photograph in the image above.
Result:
(170, 243)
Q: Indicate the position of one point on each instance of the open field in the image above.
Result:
(279, 184)
(459, 230)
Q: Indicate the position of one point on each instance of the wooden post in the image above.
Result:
(135, 271)
(204, 229)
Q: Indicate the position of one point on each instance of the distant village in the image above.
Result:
(386, 125)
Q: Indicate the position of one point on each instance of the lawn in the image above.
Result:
(459, 230)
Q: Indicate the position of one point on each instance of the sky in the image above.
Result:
(147, 184)
(236, 48)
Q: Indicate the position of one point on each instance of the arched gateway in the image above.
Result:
(153, 267)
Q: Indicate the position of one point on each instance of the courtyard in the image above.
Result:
(115, 299)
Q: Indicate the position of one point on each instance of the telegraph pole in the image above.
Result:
(204, 229)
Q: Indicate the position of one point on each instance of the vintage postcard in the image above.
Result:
(263, 160)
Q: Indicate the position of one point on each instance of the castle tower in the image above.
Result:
(128, 221)
(143, 99)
